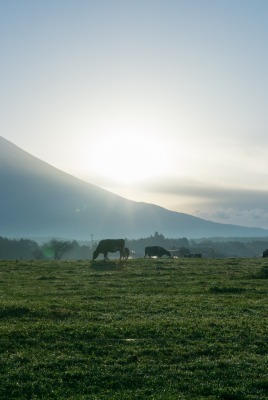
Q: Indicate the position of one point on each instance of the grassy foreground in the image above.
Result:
(142, 329)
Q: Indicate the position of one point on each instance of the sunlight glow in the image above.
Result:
(127, 160)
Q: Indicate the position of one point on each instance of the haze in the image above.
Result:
(158, 101)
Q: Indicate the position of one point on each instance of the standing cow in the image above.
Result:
(106, 246)
(156, 251)
(126, 253)
(265, 253)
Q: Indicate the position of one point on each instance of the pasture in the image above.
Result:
(166, 329)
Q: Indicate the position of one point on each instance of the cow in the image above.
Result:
(265, 253)
(126, 253)
(106, 246)
(156, 251)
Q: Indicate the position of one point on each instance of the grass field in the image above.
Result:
(142, 329)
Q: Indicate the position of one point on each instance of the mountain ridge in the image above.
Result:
(38, 199)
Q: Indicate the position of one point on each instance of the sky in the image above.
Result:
(162, 101)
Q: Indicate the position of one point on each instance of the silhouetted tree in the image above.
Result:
(56, 248)
(17, 249)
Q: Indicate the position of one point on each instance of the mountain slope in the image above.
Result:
(40, 200)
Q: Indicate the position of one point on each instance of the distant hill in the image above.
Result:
(38, 200)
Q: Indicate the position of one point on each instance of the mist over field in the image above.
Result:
(39, 200)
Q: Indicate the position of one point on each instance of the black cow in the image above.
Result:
(156, 251)
(126, 253)
(265, 253)
(109, 246)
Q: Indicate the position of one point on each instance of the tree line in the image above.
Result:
(26, 249)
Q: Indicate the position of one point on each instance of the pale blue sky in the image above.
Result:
(159, 101)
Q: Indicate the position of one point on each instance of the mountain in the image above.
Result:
(39, 200)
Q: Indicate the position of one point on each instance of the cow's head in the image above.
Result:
(95, 254)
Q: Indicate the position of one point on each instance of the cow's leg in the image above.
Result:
(122, 254)
(106, 256)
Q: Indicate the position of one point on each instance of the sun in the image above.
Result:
(127, 160)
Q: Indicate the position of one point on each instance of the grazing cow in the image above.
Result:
(265, 253)
(109, 246)
(195, 255)
(126, 253)
(156, 251)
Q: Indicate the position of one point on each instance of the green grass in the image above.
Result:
(142, 329)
